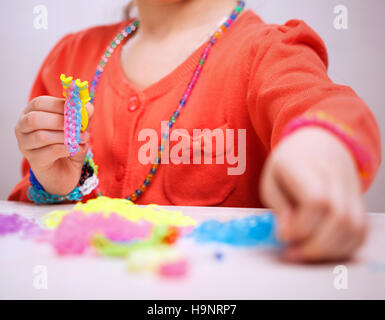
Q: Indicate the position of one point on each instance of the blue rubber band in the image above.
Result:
(38, 195)
(36, 184)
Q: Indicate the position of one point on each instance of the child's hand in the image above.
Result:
(311, 182)
(40, 136)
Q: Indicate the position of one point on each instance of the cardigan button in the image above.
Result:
(133, 103)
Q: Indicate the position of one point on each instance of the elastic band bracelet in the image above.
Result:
(40, 196)
(88, 178)
(87, 183)
(75, 113)
(342, 131)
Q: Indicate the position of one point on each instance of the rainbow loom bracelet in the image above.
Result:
(38, 195)
(75, 114)
(339, 129)
(87, 183)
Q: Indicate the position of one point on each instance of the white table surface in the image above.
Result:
(242, 274)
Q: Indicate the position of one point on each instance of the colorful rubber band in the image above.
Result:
(342, 131)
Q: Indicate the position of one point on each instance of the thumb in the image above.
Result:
(273, 196)
(90, 110)
(82, 152)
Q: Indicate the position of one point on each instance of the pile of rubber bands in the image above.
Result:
(144, 236)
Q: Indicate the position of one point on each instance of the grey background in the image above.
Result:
(356, 56)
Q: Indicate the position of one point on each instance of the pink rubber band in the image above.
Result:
(343, 132)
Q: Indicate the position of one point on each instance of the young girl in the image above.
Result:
(317, 141)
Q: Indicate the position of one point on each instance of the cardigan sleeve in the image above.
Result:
(289, 88)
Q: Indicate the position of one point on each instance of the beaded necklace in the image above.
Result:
(129, 31)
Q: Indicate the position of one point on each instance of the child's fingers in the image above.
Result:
(324, 245)
(40, 120)
(357, 223)
(309, 200)
(328, 232)
(41, 138)
(309, 214)
(302, 224)
(304, 186)
(335, 239)
(271, 195)
(47, 104)
(47, 155)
